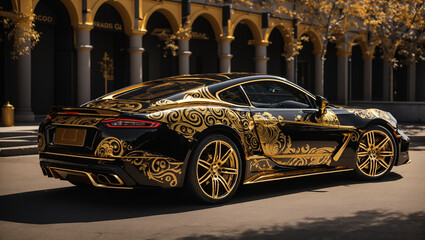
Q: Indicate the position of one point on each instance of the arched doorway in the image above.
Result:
(203, 45)
(331, 73)
(109, 56)
(305, 66)
(243, 52)
(53, 62)
(155, 63)
(356, 73)
(377, 75)
(277, 63)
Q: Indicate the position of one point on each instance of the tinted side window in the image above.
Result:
(233, 95)
(271, 94)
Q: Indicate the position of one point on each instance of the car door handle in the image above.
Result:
(309, 110)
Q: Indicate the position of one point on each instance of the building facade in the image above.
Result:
(90, 47)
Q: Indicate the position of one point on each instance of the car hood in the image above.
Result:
(368, 113)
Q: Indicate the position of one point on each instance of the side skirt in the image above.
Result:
(268, 176)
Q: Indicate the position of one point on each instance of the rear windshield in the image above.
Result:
(156, 90)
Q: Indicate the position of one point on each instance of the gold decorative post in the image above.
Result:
(107, 69)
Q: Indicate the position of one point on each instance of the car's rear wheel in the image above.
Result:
(214, 170)
(375, 154)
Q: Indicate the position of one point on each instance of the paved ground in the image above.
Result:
(319, 207)
(18, 140)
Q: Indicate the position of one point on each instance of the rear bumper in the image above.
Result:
(106, 176)
(138, 170)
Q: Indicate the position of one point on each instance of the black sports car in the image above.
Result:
(211, 133)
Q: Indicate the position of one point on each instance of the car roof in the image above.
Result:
(212, 76)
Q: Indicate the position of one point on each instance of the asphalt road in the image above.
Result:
(319, 207)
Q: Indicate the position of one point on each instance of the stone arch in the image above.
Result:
(70, 8)
(121, 9)
(314, 38)
(169, 15)
(360, 40)
(72, 11)
(279, 43)
(286, 34)
(218, 31)
(109, 43)
(52, 59)
(255, 30)
(203, 46)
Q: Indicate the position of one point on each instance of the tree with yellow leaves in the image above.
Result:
(397, 27)
(331, 18)
(21, 29)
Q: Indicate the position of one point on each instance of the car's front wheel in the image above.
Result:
(375, 154)
(214, 170)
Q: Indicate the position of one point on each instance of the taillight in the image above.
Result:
(47, 119)
(130, 123)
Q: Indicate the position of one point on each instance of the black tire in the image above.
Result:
(376, 153)
(214, 170)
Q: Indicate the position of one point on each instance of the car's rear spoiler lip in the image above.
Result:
(84, 111)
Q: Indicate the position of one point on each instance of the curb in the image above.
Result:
(21, 150)
(417, 138)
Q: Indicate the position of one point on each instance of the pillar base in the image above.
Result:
(24, 115)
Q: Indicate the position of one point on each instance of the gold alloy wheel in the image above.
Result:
(217, 169)
(375, 154)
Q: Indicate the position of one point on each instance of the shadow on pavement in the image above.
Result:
(73, 204)
(363, 225)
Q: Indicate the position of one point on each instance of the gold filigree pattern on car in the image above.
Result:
(162, 169)
(189, 121)
(305, 156)
(161, 102)
(273, 141)
(372, 114)
(355, 137)
(112, 147)
(257, 164)
(329, 118)
(117, 104)
(199, 93)
(41, 142)
(76, 120)
(252, 142)
(278, 146)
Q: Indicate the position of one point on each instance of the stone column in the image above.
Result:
(290, 75)
(387, 86)
(135, 51)
(83, 64)
(23, 111)
(367, 78)
(342, 77)
(184, 54)
(412, 83)
(225, 55)
(261, 57)
(318, 75)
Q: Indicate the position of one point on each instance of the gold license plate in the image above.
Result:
(70, 136)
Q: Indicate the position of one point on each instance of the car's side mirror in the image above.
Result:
(321, 103)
